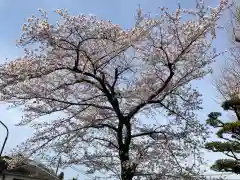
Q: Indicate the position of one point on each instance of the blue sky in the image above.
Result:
(14, 12)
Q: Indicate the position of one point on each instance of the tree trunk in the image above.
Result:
(127, 171)
(126, 174)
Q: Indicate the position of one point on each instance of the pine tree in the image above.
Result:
(229, 138)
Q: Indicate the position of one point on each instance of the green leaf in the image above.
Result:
(238, 14)
(228, 105)
(217, 146)
(232, 127)
(226, 165)
(5, 158)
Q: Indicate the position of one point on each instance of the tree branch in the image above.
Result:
(152, 96)
(106, 140)
(146, 134)
(69, 103)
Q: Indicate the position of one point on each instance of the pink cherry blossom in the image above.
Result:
(98, 95)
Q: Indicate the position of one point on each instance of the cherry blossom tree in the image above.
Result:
(227, 83)
(116, 101)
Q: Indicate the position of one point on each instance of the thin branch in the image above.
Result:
(106, 140)
(152, 96)
(97, 126)
(146, 134)
(68, 102)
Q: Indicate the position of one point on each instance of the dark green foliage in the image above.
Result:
(228, 165)
(223, 146)
(5, 158)
(229, 134)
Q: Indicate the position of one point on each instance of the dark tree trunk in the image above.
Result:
(127, 171)
(126, 174)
